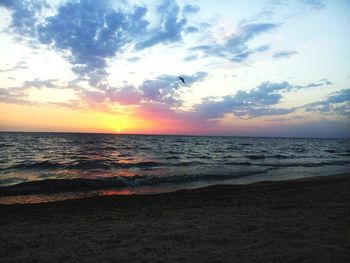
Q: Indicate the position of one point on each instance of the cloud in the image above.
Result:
(191, 58)
(90, 32)
(258, 102)
(37, 83)
(20, 65)
(191, 29)
(285, 54)
(236, 46)
(191, 9)
(310, 4)
(165, 89)
(133, 59)
(254, 103)
(262, 101)
(337, 103)
(313, 4)
(24, 15)
(171, 27)
(244, 55)
(86, 32)
(320, 83)
(340, 96)
(127, 95)
(14, 96)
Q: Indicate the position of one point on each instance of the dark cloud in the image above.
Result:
(236, 47)
(284, 54)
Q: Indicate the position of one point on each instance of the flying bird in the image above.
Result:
(182, 79)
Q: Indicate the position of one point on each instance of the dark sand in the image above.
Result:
(295, 221)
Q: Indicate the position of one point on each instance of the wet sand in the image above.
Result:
(294, 221)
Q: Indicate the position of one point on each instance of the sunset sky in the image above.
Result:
(251, 68)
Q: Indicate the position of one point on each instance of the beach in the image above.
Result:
(303, 220)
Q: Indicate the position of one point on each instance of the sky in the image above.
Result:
(251, 68)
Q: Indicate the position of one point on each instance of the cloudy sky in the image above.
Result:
(261, 68)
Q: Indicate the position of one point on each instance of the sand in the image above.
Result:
(293, 221)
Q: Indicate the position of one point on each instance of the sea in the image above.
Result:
(45, 167)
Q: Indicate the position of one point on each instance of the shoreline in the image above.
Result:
(297, 220)
(11, 195)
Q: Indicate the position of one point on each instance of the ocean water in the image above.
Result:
(39, 167)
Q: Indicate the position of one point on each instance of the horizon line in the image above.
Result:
(172, 134)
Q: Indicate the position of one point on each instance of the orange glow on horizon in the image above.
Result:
(14, 117)
(33, 118)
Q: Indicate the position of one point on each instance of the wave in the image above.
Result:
(238, 163)
(256, 157)
(37, 165)
(5, 145)
(99, 165)
(280, 156)
(344, 154)
(82, 165)
(48, 186)
(290, 164)
(318, 164)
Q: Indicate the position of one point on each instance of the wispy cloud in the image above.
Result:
(337, 103)
(37, 83)
(284, 54)
(313, 4)
(20, 65)
(235, 48)
(171, 26)
(15, 96)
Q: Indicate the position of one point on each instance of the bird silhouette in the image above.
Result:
(182, 79)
